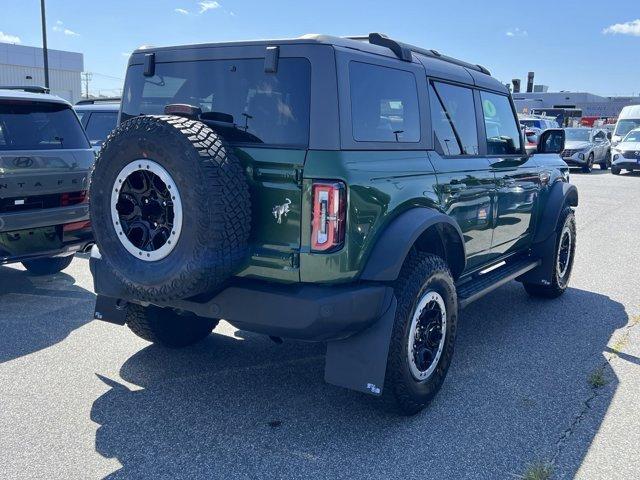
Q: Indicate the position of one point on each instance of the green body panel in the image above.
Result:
(380, 186)
(274, 176)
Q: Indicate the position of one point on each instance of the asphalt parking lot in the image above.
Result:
(86, 399)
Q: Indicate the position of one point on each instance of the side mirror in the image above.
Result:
(551, 141)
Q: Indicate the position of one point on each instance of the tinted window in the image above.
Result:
(100, 125)
(237, 97)
(453, 118)
(39, 126)
(503, 134)
(384, 104)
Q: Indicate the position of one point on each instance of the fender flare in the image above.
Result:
(395, 242)
(561, 194)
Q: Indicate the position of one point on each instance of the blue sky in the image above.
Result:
(571, 45)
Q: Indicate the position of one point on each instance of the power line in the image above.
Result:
(86, 77)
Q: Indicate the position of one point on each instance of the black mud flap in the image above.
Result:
(110, 310)
(546, 252)
(360, 361)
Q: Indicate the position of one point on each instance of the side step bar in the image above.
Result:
(478, 286)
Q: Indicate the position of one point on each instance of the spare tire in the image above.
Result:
(170, 208)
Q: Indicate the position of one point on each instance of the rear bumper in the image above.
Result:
(301, 311)
(43, 218)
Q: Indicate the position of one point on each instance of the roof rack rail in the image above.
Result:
(403, 51)
(93, 101)
(26, 88)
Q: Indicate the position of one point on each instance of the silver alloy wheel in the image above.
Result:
(564, 251)
(146, 210)
(427, 335)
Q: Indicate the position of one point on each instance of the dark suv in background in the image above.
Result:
(45, 159)
(99, 116)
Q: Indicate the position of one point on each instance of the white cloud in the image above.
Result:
(181, 11)
(59, 27)
(7, 38)
(627, 28)
(126, 54)
(516, 32)
(208, 5)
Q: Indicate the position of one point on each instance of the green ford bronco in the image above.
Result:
(354, 191)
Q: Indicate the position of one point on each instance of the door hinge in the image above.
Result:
(298, 175)
(295, 260)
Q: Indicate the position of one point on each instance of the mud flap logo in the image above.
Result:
(373, 389)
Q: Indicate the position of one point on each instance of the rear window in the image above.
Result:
(384, 104)
(236, 96)
(100, 125)
(39, 126)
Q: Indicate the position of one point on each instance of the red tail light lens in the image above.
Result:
(329, 216)
(74, 198)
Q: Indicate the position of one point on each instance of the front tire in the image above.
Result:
(165, 327)
(424, 333)
(47, 266)
(615, 170)
(563, 259)
(587, 168)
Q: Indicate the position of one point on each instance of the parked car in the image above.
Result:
(629, 119)
(98, 117)
(324, 189)
(533, 126)
(585, 147)
(45, 159)
(627, 153)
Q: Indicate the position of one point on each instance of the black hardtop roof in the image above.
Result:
(374, 43)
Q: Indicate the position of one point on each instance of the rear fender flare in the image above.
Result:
(395, 242)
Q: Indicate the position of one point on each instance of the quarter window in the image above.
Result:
(454, 119)
(503, 135)
(384, 104)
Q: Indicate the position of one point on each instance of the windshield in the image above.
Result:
(578, 134)
(530, 123)
(625, 126)
(39, 126)
(237, 97)
(633, 136)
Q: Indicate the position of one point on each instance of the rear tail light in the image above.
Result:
(74, 198)
(329, 215)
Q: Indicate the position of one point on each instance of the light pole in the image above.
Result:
(44, 45)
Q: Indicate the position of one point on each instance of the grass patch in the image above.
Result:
(620, 344)
(538, 471)
(597, 378)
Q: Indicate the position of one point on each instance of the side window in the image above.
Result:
(100, 125)
(384, 104)
(503, 136)
(453, 118)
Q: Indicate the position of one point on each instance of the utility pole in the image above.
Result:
(45, 53)
(86, 77)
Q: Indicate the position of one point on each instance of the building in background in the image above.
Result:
(589, 104)
(21, 65)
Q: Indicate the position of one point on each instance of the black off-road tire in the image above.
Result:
(558, 285)
(165, 327)
(216, 207)
(47, 266)
(421, 273)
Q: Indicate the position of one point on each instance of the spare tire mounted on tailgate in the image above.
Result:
(170, 207)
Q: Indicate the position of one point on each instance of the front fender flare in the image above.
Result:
(395, 242)
(561, 194)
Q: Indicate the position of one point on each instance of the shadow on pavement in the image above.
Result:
(247, 408)
(37, 312)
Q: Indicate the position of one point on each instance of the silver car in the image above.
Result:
(585, 147)
(626, 154)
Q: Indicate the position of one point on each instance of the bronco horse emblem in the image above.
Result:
(281, 210)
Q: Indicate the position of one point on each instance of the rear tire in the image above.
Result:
(563, 259)
(47, 266)
(165, 327)
(415, 374)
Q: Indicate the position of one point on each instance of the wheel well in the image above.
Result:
(443, 240)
